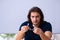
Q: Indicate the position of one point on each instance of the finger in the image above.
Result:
(29, 27)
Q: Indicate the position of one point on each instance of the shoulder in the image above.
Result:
(48, 26)
(46, 23)
(23, 24)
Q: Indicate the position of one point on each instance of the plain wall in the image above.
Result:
(14, 12)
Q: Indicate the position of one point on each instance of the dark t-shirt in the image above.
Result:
(29, 35)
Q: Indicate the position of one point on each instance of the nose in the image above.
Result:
(35, 18)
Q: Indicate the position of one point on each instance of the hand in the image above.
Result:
(37, 30)
(24, 29)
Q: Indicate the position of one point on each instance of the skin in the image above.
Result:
(35, 18)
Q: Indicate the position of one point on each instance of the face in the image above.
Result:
(35, 18)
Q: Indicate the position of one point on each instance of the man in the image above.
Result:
(35, 28)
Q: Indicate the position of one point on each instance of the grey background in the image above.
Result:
(14, 12)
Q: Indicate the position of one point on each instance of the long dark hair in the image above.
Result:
(35, 9)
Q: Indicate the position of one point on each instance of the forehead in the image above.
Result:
(35, 14)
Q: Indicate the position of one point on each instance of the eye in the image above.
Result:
(37, 16)
(32, 16)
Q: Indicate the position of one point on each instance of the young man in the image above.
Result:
(35, 28)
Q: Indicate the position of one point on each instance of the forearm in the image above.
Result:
(44, 37)
(20, 35)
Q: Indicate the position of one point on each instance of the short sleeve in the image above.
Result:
(48, 27)
(23, 24)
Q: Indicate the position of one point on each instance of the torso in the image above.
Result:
(29, 35)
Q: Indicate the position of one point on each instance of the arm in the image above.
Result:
(21, 33)
(44, 36)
